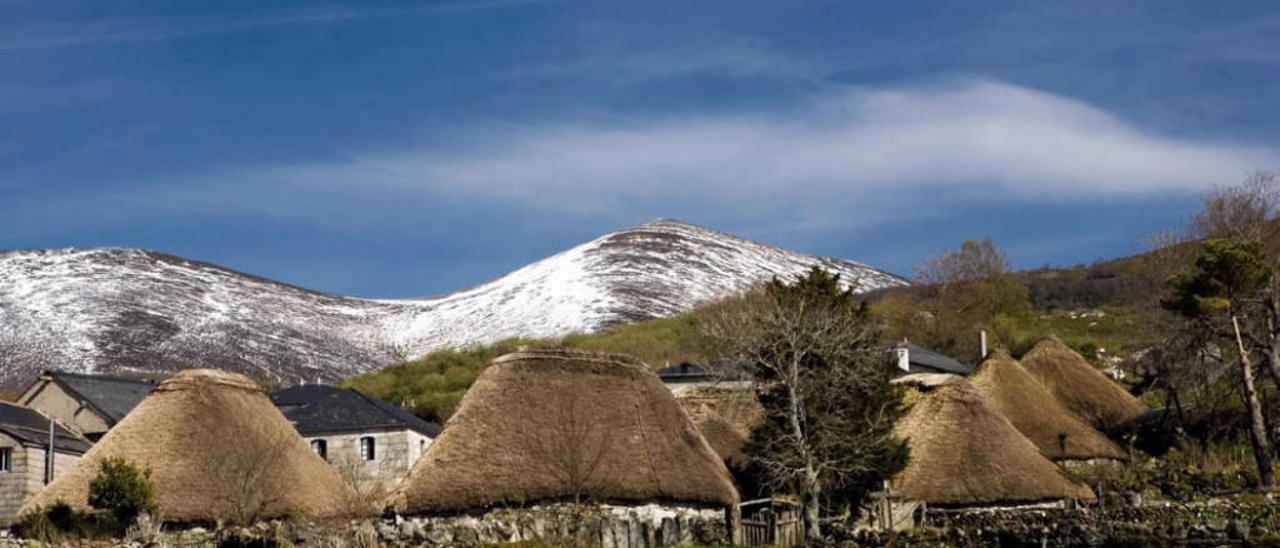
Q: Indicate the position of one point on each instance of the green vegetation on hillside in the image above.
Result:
(432, 386)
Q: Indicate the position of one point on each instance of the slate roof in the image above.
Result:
(315, 409)
(923, 360)
(684, 372)
(32, 428)
(114, 397)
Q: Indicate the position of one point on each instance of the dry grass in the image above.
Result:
(652, 449)
(963, 452)
(1059, 434)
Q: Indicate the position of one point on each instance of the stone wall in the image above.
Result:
(608, 526)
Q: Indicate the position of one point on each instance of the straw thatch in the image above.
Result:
(546, 424)
(964, 453)
(1079, 386)
(725, 438)
(218, 450)
(1059, 434)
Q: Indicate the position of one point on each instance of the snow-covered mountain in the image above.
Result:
(129, 310)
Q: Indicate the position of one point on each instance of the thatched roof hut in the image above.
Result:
(1059, 434)
(1079, 386)
(218, 450)
(545, 424)
(964, 453)
(725, 438)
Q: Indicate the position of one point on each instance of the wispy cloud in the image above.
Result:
(158, 28)
(979, 135)
(859, 154)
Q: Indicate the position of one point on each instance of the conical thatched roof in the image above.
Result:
(548, 424)
(965, 453)
(217, 450)
(1079, 386)
(1059, 434)
(725, 438)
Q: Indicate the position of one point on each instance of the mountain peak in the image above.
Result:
(138, 310)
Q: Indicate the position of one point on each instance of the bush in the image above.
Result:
(61, 522)
(123, 489)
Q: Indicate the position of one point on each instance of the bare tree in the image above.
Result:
(575, 448)
(370, 488)
(965, 290)
(975, 260)
(1238, 212)
(829, 410)
(242, 472)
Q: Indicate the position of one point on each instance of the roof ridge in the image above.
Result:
(97, 377)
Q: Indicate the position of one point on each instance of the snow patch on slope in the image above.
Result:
(126, 309)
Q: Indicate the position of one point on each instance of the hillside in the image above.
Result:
(137, 310)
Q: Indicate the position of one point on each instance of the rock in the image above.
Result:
(411, 531)
(439, 536)
(505, 529)
(465, 535)
(387, 532)
(1236, 530)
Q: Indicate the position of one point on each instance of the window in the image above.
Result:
(6, 459)
(367, 448)
(321, 447)
(422, 446)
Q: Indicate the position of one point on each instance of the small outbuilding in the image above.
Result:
(556, 424)
(25, 466)
(218, 451)
(965, 454)
(1059, 433)
(1080, 386)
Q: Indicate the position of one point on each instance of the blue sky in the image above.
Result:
(405, 149)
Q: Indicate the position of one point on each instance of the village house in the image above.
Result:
(87, 404)
(372, 443)
(24, 456)
(910, 358)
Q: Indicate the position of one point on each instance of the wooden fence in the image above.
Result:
(771, 522)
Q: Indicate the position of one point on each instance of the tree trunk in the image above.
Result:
(813, 511)
(1257, 424)
(812, 487)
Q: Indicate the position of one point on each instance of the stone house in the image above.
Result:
(24, 456)
(87, 404)
(909, 358)
(372, 443)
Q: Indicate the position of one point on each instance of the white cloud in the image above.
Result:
(973, 135)
(853, 158)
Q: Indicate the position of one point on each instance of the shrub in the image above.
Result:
(60, 522)
(123, 489)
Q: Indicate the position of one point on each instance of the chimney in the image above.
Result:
(982, 335)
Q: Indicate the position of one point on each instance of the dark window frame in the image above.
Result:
(321, 447)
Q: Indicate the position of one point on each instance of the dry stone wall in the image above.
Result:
(608, 526)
